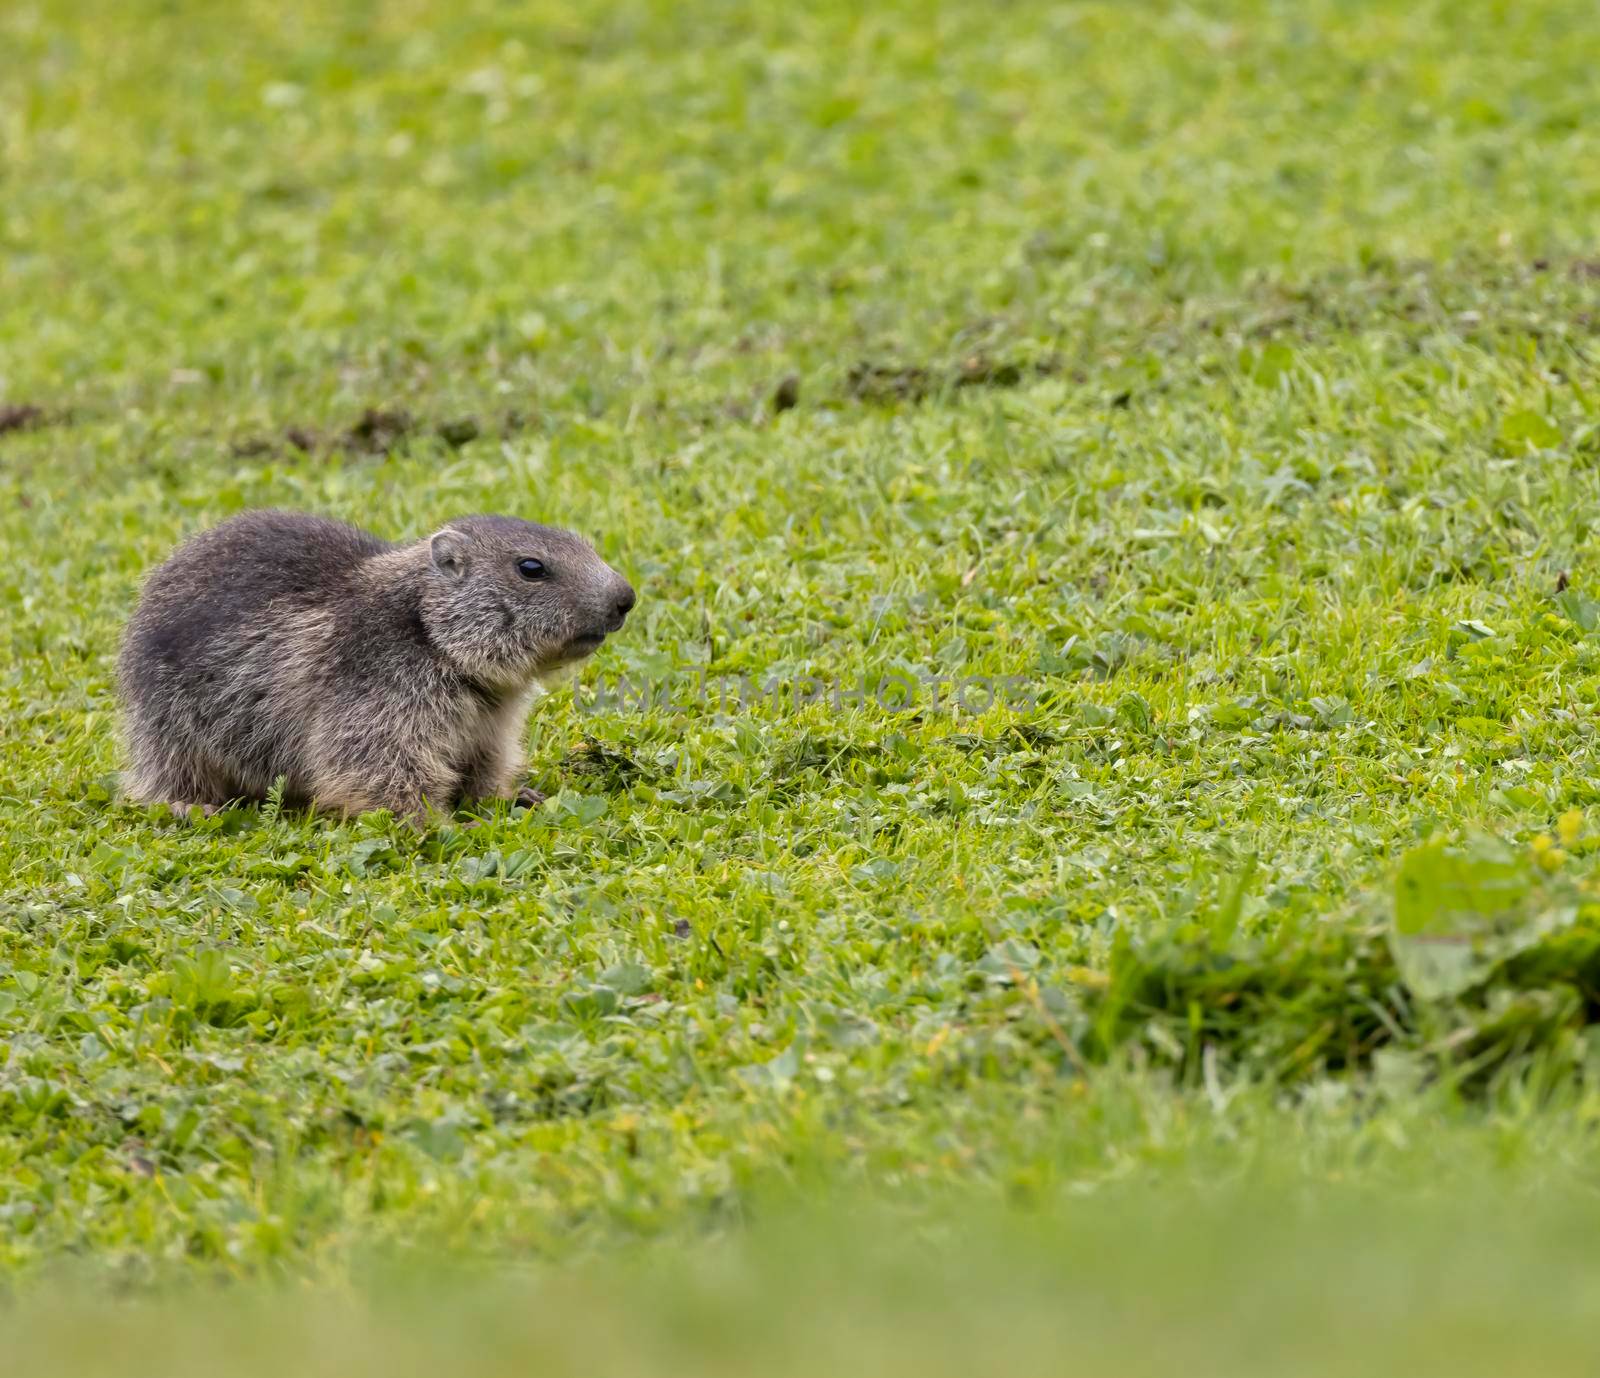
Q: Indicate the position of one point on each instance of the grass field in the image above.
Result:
(1115, 497)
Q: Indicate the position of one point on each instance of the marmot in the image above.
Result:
(363, 674)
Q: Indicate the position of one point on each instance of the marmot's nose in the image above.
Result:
(622, 601)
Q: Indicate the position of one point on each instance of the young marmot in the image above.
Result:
(364, 674)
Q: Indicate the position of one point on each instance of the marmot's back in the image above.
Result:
(258, 556)
(216, 582)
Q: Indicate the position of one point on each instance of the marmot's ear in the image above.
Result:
(448, 550)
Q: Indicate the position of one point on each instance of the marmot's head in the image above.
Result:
(511, 602)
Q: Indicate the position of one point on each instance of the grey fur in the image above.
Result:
(365, 674)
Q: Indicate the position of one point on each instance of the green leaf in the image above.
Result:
(1005, 962)
(440, 1138)
(776, 1073)
(1134, 712)
(1267, 364)
(1582, 612)
(369, 856)
(1525, 430)
(1462, 908)
(626, 978)
(1234, 715)
(578, 809)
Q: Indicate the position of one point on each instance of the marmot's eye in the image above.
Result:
(531, 569)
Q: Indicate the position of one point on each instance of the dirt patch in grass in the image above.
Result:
(1580, 268)
(457, 432)
(377, 431)
(22, 416)
(875, 382)
(872, 381)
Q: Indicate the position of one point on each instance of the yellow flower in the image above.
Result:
(1546, 853)
(1569, 825)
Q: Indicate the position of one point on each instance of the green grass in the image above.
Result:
(1218, 379)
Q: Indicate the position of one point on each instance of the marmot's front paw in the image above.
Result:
(528, 798)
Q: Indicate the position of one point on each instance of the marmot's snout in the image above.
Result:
(622, 602)
(613, 606)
